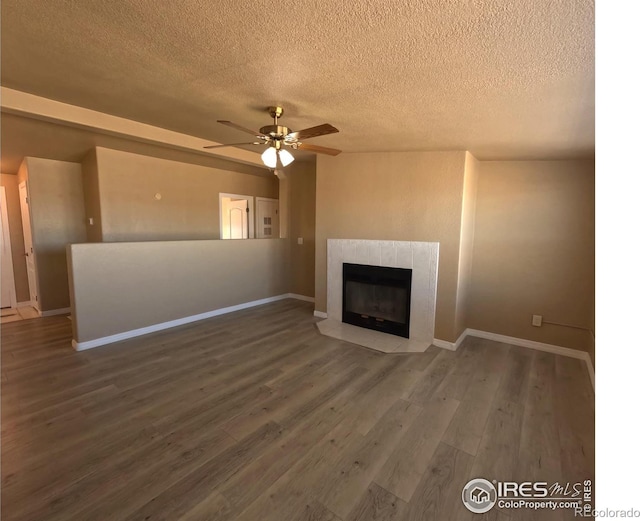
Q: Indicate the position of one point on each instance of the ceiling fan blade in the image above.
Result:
(243, 129)
(319, 150)
(235, 144)
(320, 130)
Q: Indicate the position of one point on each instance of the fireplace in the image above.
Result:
(377, 297)
(420, 259)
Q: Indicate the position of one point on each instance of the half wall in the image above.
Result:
(118, 288)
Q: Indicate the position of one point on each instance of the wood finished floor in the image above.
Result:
(255, 416)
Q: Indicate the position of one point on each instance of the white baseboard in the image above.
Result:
(444, 344)
(54, 312)
(531, 344)
(89, 344)
(451, 346)
(25, 304)
(320, 314)
(301, 297)
(592, 371)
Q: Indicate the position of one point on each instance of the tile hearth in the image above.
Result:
(372, 339)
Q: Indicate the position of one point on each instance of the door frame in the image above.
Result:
(250, 217)
(6, 233)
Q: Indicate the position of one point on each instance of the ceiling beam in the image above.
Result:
(36, 107)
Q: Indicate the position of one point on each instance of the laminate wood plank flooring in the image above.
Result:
(438, 495)
(256, 416)
(468, 424)
(360, 463)
(378, 504)
(407, 464)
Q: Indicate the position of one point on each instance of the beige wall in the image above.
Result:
(467, 228)
(406, 196)
(534, 250)
(302, 219)
(56, 204)
(10, 183)
(119, 287)
(284, 189)
(189, 205)
(91, 190)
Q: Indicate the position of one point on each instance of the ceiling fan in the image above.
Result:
(277, 137)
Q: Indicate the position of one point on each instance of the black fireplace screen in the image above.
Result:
(377, 297)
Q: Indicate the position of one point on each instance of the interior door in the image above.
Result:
(28, 244)
(236, 216)
(238, 220)
(268, 221)
(7, 287)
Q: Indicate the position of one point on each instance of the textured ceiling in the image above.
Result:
(505, 79)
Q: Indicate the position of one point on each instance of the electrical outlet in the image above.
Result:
(536, 320)
(300, 241)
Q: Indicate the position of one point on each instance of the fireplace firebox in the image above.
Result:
(377, 297)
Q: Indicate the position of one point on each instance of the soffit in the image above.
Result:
(22, 137)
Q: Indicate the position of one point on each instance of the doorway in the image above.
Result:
(7, 284)
(236, 216)
(28, 244)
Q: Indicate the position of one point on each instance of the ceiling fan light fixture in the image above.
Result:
(276, 135)
(269, 157)
(285, 157)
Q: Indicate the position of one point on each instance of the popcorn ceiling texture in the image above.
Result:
(505, 79)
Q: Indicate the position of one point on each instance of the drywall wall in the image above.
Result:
(407, 196)
(534, 250)
(56, 203)
(302, 224)
(10, 183)
(119, 287)
(144, 198)
(467, 228)
(91, 191)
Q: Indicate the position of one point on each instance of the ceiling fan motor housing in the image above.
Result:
(277, 132)
(275, 112)
(276, 136)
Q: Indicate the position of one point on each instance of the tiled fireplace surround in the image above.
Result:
(420, 257)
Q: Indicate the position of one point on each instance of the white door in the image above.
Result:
(7, 284)
(28, 244)
(238, 219)
(236, 216)
(268, 221)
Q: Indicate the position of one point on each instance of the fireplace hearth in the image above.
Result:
(377, 298)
